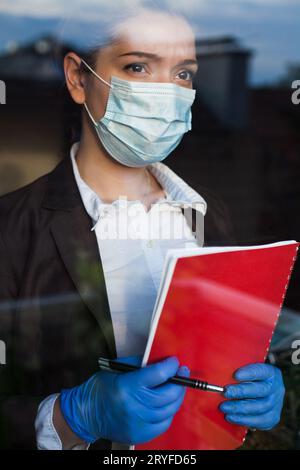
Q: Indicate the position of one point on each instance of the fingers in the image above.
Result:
(167, 393)
(159, 419)
(264, 421)
(157, 415)
(256, 371)
(155, 374)
(154, 409)
(249, 390)
(248, 407)
(259, 401)
(265, 380)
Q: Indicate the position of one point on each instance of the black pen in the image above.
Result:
(109, 364)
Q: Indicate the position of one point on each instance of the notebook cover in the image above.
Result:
(219, 314)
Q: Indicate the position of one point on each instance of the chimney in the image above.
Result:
(222, 79)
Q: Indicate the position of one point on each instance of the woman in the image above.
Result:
(82, 291)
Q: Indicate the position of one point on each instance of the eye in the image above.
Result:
(135, 67)
(187, 75)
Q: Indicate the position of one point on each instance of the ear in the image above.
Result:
(74, 78)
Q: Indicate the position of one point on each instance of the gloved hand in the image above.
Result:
(130, 408)
(257, 402)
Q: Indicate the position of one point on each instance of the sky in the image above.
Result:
(271, 28)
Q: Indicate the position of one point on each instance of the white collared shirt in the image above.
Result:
(132, 246)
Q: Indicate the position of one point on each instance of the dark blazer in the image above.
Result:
(54, 311)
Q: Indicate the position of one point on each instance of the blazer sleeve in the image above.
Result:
(17, 411)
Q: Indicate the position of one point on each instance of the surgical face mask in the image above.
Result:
(144, 122)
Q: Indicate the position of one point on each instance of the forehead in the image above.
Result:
(158, 33)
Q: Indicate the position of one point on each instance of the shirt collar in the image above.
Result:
(179, 193)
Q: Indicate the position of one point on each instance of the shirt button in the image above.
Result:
(150, 243)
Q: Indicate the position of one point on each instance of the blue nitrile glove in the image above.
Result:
(256, 403)
(130, 408)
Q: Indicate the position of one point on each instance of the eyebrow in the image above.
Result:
(155, 56)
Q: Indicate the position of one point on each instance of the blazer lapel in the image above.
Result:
(77, 245)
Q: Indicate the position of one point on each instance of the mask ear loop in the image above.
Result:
(96, 75)
(89, 113)
(102, 80)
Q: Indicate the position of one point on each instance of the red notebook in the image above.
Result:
(216, 310)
